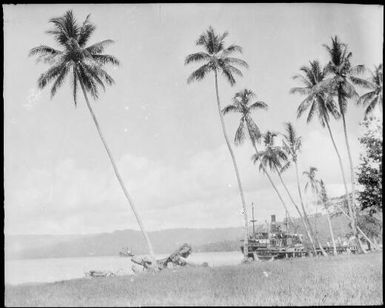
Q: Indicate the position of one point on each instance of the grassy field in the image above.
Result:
(341, 280)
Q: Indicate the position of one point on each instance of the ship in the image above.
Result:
(125, 252)
(274, 243)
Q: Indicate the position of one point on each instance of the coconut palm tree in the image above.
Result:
(242, 104)
(374, 97)
(312, 182)
(85, 65)
(341, 84)
(292, 145)
(273, 157)
(217, 58)
(318, 101)
(323, 197)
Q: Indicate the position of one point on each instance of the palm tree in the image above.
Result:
(374, 97)
(319, 101)
(247, 127)
(86, 66)
(292, 145)
(341, 84)
(312, 182)
(323, 197)
(272, 158)
(217, 59)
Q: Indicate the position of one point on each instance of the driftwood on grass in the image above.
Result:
(98, 274)
(176, 259)
(143, 264)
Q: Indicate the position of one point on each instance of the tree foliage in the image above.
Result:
(370, 170)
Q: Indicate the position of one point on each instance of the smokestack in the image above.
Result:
(273, 225)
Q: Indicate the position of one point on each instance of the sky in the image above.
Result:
(165, 134)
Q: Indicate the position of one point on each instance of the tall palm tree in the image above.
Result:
(242, 104)
(312, 182)
(86, 67)
(217, 58)
(372, 98)
(323, 197)
(341, 84)
(318, 101)
(273, 158)
(292, 145)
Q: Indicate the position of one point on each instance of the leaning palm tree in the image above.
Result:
(292, 145)
(242, 104)
(86, 67)
(217, 58)
(277, 160)
(341, 84)
(372, 98)
(318, 101)
(313, 184)
(323, 197)
(271, 157)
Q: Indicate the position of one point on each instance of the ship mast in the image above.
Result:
(253, 219)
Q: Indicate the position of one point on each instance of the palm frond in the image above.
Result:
(232, 49)
(75, 86)
(44, 50)
(362, 82)
(236, 61)
(227, 72)
(364, 99)
(240, 133)
(230, 108)
(301, 91)
(310, 115)
(258, 105)
(88, 81)
(371, 105)
(85, 32)
(60, 78)
(199, 74)
(197, 57)
(65, 28)
(253, 129)
(285, 167)
(49, 75)
(99, 47)
(106, 59)
(232, 70)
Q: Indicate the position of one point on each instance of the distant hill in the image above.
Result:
(164, 241)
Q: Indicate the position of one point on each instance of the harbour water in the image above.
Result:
(57, 269)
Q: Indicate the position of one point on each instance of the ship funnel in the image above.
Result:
(273, 225)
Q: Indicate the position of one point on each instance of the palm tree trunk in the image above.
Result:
(352, 210)
(331, 232)
(117, 174)
(302, 205)
(246, 234)
(292, 200)
(354, 221)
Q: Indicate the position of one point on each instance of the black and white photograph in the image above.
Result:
(193, 154)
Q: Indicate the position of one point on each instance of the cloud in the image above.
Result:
(201, 192)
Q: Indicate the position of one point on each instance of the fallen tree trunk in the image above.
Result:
(176, 259)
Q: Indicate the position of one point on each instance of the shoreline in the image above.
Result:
(330, 281)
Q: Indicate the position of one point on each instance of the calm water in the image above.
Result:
(49, 270)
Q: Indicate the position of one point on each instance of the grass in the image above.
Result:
(341, 280)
